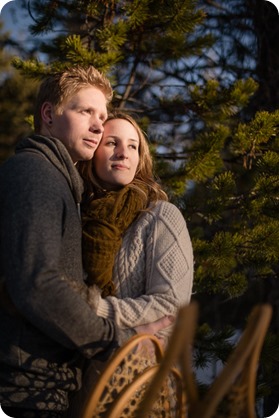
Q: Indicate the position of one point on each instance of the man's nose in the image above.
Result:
(97, 126)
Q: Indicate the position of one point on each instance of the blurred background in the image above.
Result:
(202, 79)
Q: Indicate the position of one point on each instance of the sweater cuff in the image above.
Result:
(105, 309)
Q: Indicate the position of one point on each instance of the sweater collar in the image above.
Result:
(53, 150)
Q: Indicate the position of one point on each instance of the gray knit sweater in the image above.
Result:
(153, 270)
(46, 327)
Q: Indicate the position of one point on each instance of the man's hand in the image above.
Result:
(155, 327)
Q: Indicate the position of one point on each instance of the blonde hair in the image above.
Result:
(61, 86)
(144, 175)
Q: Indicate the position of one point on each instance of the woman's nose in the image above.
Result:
(121, 153)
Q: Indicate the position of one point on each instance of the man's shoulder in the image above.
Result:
(29, 165)
(30, 174)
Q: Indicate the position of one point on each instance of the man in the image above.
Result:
(46, 327)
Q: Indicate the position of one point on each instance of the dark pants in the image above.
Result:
(28, 413)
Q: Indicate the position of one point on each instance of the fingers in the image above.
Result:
(156, 326)
(146, 349)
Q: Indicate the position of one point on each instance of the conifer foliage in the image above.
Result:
(219, 163)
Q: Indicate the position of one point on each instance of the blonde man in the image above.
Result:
(46, 328)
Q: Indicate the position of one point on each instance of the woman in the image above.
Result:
(136, 247)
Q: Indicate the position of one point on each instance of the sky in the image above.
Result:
(14, 18)
(16, 21)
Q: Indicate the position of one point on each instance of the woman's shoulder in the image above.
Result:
(165, 208)
(168, 213)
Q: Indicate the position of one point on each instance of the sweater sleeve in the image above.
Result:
(168, 273)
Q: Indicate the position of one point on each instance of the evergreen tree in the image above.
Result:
(17, 96)
(246, 33)
(218, 165)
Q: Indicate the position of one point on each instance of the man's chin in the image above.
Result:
(86, 156)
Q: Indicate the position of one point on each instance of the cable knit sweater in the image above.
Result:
(153, 270)
(153, 274)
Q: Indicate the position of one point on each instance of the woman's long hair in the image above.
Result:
(144, 180)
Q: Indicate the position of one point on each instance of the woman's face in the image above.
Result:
(116, 158)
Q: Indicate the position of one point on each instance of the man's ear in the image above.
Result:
(47, 112)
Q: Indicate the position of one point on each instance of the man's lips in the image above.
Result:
(92, 142)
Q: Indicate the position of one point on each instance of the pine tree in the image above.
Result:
(16, 97)
(219, 166)
(246, 46)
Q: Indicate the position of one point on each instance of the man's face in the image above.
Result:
(80, 125)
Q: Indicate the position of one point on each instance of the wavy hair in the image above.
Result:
(144, 180)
